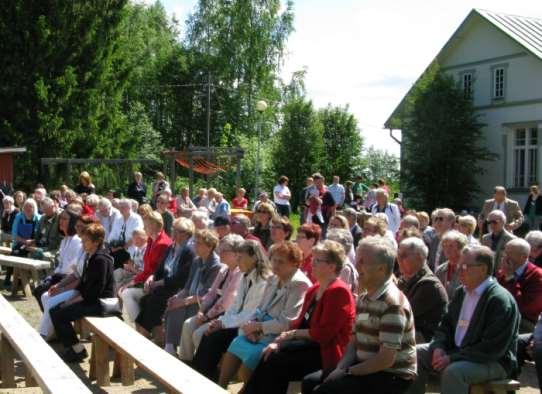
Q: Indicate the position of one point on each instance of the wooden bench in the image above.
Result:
(24, 270)
(496, 387)
(42, 363)
(131, 347)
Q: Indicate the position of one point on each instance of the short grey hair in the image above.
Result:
(521, 245)
(199, 215)
(8, 199)
(381, 192)
(411, 221)
(457, 237)
(482, 255)
(230, 242)
(93, 200)
(47, 202)
(185, 225)
(382, 216)
(342, 236)
(499, 213)
(104, 203)
(415, 245)
(381, 250)
(33, 203)
(534, 238)
(350, 212)
(125, 202)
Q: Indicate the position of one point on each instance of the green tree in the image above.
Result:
(378, 164)
(342, 142)
(61, 81)
(443, 145)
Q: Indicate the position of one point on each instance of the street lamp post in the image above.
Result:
(261, 106)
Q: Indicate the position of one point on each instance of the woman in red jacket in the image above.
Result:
(319, 335)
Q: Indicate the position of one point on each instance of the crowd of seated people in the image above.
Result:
(361, 301)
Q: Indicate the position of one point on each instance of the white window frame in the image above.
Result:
(525, 155)
(499, 81)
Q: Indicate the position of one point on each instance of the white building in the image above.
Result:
(498, 58)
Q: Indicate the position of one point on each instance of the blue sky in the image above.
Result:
(367, 53)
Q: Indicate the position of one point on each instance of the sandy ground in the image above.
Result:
(144, 384)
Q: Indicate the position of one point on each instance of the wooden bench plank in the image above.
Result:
(495, 386)
(5, 250)
(24, 263)
(46, 367)
(24, 270)
(176, 376)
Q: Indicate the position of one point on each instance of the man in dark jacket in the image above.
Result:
(423, 289)
(352, 217)
(477, 339)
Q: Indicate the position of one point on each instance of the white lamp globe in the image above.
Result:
(261, 106)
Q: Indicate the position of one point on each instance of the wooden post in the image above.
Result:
(101, 361)
(127, 374)
(238, 171)
(173, 174)
(25, 283)
(28, 378)
(7, 364)
(15, 281)
(190, 174)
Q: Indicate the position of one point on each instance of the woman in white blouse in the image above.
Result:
(70, 253)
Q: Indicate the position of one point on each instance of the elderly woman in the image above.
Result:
(534, 238)
(96, 283)
(91, 203)
(467, 226)
(280, 306)
(317, 338)
(137, 190)
(338, 221)
(157, 246)
(223, 330)
(85, 185)
(69, 253)
(185, 303)
(134, 265)
(185, 206)
(107, 215)
(23, 233)
(262, 226)
(533, 208)
(200, 219)
(218, 299)
(201, 199)
(263, 198)
(308, 236)
(19, 198)
(448, 273)
(281, 229)
(9, 213)
(348, 274)
(170, 276)
(389, 209)
(158, 186)
(240, 201)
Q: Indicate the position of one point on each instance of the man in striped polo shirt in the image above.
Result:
(381, 357)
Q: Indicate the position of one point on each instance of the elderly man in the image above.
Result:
(222, 227)
(523, 280)
(352, 216)
(381, 357)
(47, 235)
(476, 340)
(107, 214)
(120, 237)
(391, 210)
(497, 237)
(240, 225)
(514, 216)
(443, 221)
(535, 240)
(424, 291)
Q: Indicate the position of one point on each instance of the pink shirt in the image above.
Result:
(222, 292)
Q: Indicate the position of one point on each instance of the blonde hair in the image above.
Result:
(333, 252)
(155, 219)
(184, 224)
(208, 237)
(85, 176)
(468, 222)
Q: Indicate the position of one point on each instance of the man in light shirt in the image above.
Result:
(477, 338)
(337, 191)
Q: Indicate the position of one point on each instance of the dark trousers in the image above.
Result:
(62, 317)
(274, 375)
(44, 286)
(283, 210)
(523, 343)
(152, 306)
(210, 351)
(376, 383)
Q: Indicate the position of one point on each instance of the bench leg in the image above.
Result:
(126, 370)
(101, 361)
(15, 281)
(28, 378)
(7, 364)
(92, 370)
(25, 283)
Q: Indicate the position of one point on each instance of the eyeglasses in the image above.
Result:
(492, 221)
